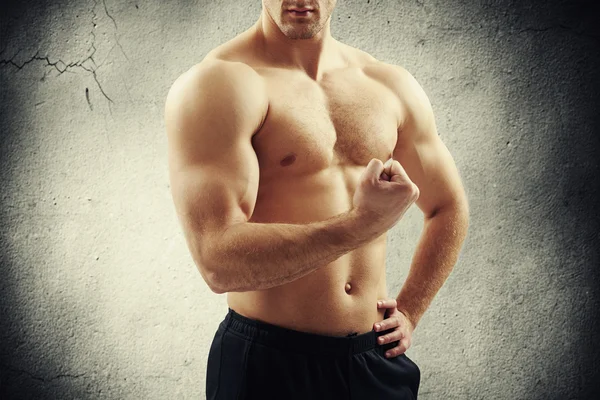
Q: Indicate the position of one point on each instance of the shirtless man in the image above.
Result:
(301, 251)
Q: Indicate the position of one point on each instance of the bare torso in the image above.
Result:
(315, 142)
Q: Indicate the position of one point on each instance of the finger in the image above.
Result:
(374, 168)
(387, 303)
(395, 167)
(386, 324)
(391, 337)
(397, 172)
(387, 166)
(388, 163)
(396, 351)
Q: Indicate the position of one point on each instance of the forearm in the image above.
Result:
(436, 254)
(257, 256)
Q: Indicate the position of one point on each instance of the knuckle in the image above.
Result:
(415, 191)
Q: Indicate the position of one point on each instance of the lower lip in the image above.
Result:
(300, 13)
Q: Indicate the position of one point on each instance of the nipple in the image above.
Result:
(348, 287)
(288, 160)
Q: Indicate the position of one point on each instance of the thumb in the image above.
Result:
(374, 168)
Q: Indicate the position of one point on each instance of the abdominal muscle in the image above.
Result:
(318, 303)
(337, 299)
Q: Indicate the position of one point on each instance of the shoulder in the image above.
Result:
(215, 74)
(415, 102)
(396, 78)
(230, 95)
(217, 83)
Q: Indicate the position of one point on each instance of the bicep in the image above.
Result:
(209, 198)
(213, 168)
(425, 157)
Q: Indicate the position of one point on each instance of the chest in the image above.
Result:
(345, 119)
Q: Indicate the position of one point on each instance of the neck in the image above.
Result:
(313, 56)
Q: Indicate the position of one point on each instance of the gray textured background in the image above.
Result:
(99, 298)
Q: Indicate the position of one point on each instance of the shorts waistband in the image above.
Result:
(293, 340)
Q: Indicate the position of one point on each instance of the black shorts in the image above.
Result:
(249, 359)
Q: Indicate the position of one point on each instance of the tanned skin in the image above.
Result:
(269, 136)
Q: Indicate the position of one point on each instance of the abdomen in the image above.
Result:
(319, 302)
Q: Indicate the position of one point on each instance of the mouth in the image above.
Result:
(300, 12)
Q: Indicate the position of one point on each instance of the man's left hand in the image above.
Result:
(394, 319)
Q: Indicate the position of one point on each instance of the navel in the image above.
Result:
(288, 160)
(348, 287)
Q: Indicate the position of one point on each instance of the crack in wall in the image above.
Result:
(87, 97)
(116, 29)
(56, 64)
(62, 66)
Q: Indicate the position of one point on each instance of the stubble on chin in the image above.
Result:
(294, 31)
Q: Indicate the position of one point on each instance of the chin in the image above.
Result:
(299, 33)
(301, 36)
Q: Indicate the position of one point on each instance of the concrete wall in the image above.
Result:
(99, 298)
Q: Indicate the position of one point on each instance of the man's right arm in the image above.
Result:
(211, 114)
